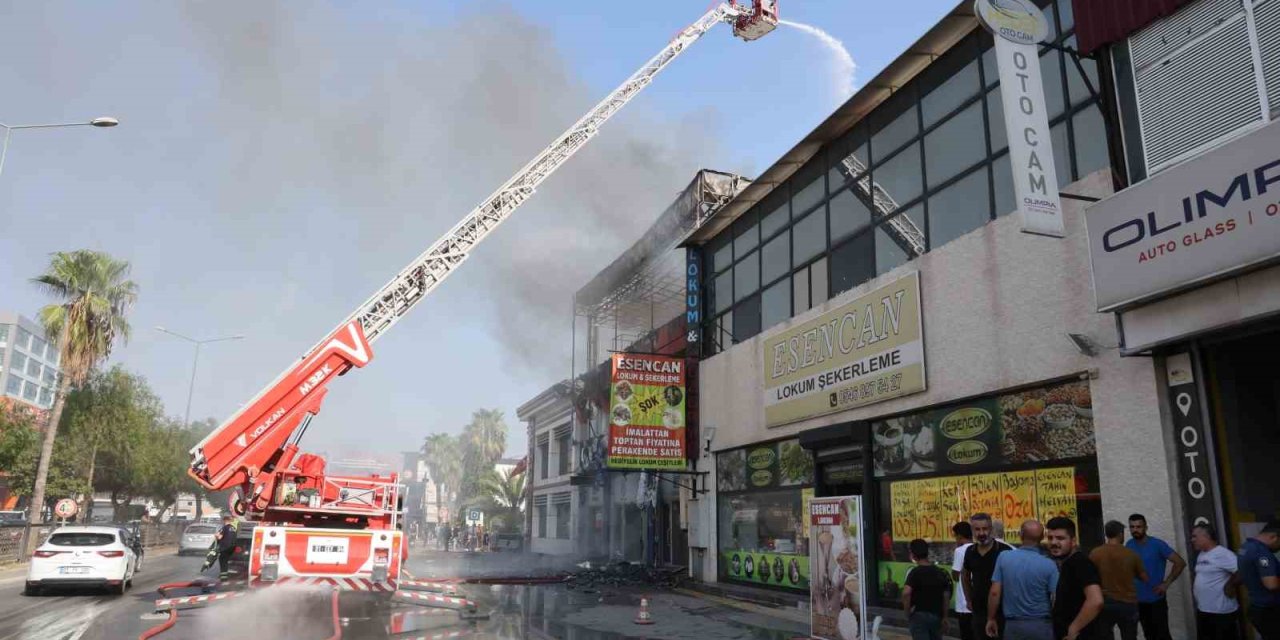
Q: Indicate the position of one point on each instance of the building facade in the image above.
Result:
(553, 509)
(28, 362)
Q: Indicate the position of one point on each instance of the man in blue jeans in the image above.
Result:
(1023, 586)
(1153, 609)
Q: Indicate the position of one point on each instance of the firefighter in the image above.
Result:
(226, 542)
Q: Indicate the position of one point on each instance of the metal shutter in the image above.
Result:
(1266, 17)
(1202, 89)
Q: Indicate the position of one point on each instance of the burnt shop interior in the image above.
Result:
(1023, 453)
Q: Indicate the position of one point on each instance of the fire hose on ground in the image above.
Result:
(173, 605)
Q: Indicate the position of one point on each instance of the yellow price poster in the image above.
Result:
(902, 502)
(1056, 493)
(929, 514)
(984, 494)
(1017, 497)
(806, 497)
(953, 500)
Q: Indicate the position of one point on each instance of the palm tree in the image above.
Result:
(444, 462)
(94, 297)
(504, 496)
(484, 440)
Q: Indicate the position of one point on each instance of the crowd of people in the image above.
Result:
(1048, 588)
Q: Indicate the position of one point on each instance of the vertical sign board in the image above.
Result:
(1194, 471)
(646, 414)
(1019, 26)
(837, 582)
(693, 300)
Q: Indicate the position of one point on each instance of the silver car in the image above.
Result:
(197, 538)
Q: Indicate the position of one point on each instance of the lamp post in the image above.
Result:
(186, 419)
(102, 123)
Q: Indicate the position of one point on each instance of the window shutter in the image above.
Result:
(1266, 17)
(1195, 79)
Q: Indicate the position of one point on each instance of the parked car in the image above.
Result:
(196, 539)
(83, 556)
(12, 524)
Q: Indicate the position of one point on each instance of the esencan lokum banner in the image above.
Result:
(646, 412)
(837, 585)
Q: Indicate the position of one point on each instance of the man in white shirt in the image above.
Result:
(1215, 586)
(963, 532)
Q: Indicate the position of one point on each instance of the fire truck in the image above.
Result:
(312, 526)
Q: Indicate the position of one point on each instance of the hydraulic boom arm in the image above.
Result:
(257, 443)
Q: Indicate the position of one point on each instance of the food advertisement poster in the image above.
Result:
(837, 586)
(646, 416)
(863, 352)
(1037, 425)
(927, 508)
(765, 466)
(767, 568)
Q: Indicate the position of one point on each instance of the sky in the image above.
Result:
(276, 163)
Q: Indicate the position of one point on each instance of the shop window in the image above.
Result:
(1002, 175)
(853, 263)
(800, 292)
(848, 215)
(1014, 456)
(809, 287)
(722, 291)
(955, 146)
(763, 490)
(890, 254)
(949, 95)
(1091, 141)
(809, 237)
(746, 276)
(900, 176)
(775, 304)
(775, 258)
(959, 209)
(746, 318)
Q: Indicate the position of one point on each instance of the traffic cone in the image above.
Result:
(643, 617)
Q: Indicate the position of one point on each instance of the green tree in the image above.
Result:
(484, 440)
(94, 296)
(443, 456)
(19, 436)
(503, 500)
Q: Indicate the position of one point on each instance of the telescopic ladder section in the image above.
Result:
(902, 228)
(259, 441)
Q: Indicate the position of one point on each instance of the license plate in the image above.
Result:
(73, 570)
(327, 550)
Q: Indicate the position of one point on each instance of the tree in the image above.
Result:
(443, 457)
(484, 440)
(19, 436)
(503, 499)
(94, 295)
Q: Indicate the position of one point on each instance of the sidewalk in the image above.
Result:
(776, 604)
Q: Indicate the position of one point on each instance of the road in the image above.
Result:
(515, 613)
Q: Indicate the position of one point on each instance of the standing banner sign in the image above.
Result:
(837, 584)
(646, 415)
(1019, 26)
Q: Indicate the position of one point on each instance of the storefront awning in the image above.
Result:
(1101, 22)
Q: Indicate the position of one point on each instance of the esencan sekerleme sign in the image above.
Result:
(866, 351)
(647, 412)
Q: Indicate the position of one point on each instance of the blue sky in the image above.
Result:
(274, 165)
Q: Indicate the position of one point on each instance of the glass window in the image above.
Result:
(1066, 16)
(13, 385)
(775, 220)
(564, 449)
(995, 115)
(848, 215)
(746, 318)
(776, 258)
(540, 515)
(1051, 73)
(723, 292)
(17, 362)
(724, 330)
(888, 254)
(1061, 153)
(847, 168)
(954, 146)
(1053, 24)
(723, 256)
(895, 134)
(950, 94)
(807, 196)
(562, 520)
(51, 354)
(775, 305)
(959, 209)
(24, 338)
(853, 263)
(33, 369)
(1076, 86)
(4, 333)
(544, 454)
(37, 346)
(746, 235)
(990, 71)
(762, 533)
(818, 282)
(746, 276)
(1002, 175)
(809, 238)
(50, 376)
(800, 291)
(1091, 141)
(900, 176)
(46, 397)
(30, 391)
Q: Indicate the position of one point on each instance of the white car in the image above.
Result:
(83, 557)
(197, 538)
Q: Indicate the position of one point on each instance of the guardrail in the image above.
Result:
(13, 539)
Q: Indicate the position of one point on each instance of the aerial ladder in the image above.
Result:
(343, 530)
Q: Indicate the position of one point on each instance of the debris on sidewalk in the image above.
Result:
(623, 574)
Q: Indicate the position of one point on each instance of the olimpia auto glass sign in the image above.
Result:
(866, 351)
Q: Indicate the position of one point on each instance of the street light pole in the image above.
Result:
(186, 419)
(104, 122)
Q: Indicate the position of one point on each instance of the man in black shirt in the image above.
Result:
(979, 565)
(925, 595)
(1079, 597)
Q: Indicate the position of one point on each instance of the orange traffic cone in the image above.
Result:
(643, 617)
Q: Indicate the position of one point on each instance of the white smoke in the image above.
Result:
(843, 69)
